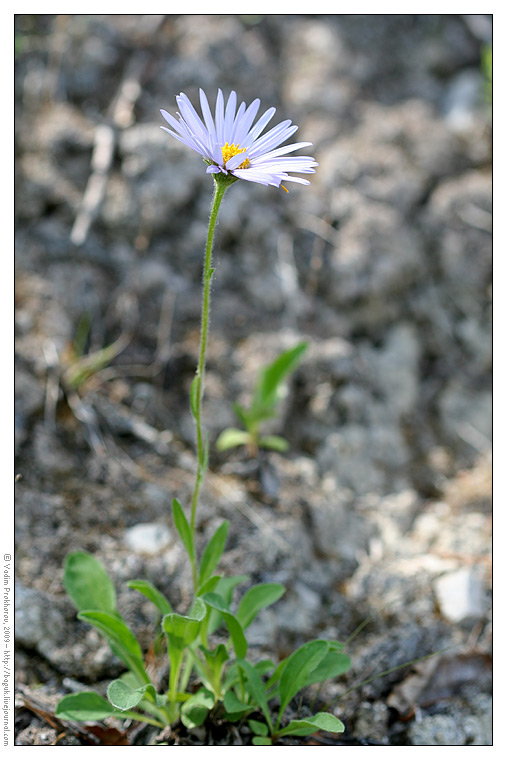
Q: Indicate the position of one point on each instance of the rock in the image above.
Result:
(148, 538)
(437, 730)
(460, 595)
(371, 721)
(39, 623)
(468, 722)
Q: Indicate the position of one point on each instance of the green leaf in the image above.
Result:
(268, 388)
(231, 437)
(88, 583)
(264, 666)
(262, 740)
(276, 675)
(183, 528)
(84, 706)
(258, 728)
(209, 585)
(274, 442)
(233, 705)
(297, 669)
(256, 688)
(194, 396)
(124, 697)
(320, 722)
(151, 593)
(195, 710)
(182, 630)
(241, 414)
(255, 599)
(224, 588)
(239, 642)
(120, 637)
(213, 552)
(333, 664)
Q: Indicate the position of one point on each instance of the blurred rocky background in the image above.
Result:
(382, 506)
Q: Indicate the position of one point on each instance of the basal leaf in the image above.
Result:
(333, 664)
(196, 709)
(264, 741)
(320, 722)
(213, 552)
(120, 637)
(274, 442)
(255, 599)
(297, 669)
(151, 593)
(258, 728)
(231, 437)
(183, 528)
(239, 642)
(88, 583)
(233, 705)
(124, 697)
(256, 688)
(84, 706)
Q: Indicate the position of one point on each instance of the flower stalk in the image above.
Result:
(221, 183)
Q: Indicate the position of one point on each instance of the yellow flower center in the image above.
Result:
(228, 151)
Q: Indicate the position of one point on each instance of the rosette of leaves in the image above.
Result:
(204, 678)
(267, 394)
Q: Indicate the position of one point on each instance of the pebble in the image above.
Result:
(148, 538)
(460, 595)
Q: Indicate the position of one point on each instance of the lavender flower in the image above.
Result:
(230, 144)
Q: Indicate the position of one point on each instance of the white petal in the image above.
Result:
(219, 117)
(230, 112)
(206, 112)
(242, 126)
(257, 128)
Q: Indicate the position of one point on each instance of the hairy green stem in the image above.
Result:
(221, 183)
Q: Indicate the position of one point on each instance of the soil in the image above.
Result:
(380, 511)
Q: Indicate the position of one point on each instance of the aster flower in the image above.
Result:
(231, 144)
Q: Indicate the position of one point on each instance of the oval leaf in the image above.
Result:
(255, 599)
(124, 697)
(332, 665)
(320, 722)
(297, 669)
(274, 442)
(231, 437)
(233, 705)
(195, 710)
(258, 728)
(84, 706)
(88, 584)
(182, 630)
(121, 637)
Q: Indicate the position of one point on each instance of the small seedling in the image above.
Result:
(268, 392)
